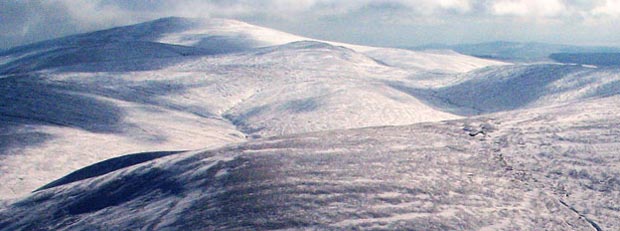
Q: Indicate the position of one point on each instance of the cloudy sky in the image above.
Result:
(371, 22)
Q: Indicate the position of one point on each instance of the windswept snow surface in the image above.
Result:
(552, 168)
(181, 84)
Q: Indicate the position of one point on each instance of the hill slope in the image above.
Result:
(521, 174)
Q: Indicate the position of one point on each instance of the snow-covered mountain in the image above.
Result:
(236, 126)
(174, 37)
(178, 84)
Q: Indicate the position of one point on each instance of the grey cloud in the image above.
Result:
(376, 22)
(32, 20)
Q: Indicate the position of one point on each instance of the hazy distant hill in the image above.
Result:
(596, 59)
(515, 51)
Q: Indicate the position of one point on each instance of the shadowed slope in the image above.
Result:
(107, 166)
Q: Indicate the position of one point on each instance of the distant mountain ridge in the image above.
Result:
(517, 51)
(594, 59)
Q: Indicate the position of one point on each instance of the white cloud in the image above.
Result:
(529, 8)
(610, 8)
(460, 5)
(432, 7)
(92, 12)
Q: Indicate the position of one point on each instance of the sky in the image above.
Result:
(369, 22)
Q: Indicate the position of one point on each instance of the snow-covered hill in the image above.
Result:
(173, 37)
(179, 84)
(549, 168)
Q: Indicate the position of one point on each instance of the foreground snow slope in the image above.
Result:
(551, 168)
(181, 84)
